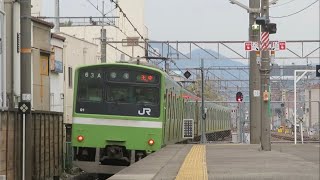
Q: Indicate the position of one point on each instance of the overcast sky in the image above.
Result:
(209, 19)
(221, 20)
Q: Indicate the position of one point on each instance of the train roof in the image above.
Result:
(132, 64)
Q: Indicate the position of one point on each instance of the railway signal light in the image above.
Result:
(263, 21)
(272, 28)
(239, 96)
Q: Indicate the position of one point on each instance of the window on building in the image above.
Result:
(70, 76)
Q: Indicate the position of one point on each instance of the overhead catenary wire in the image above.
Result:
(138, 44)
(174, 63)
(295, 12)
(97, 8)
(279, 5)
(117, 6)
(130, 22)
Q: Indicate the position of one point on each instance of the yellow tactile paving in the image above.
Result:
(194, 165)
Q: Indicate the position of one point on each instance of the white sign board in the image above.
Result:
(255, 46)
(256, 93)
(274, 46)
(26, 97)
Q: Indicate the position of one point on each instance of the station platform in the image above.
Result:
(227, 161)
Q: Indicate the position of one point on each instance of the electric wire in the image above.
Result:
(130, 22)
(136, 30)
(295, 12)
(97, 8)
(278, 5)
(174, 63)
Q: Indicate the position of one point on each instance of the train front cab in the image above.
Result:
(108, 135)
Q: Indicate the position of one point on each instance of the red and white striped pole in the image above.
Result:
(265, 41)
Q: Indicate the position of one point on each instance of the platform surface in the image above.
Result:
(227, 161)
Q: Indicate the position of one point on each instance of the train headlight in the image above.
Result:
(113, 75)
(125, 76)
(151, 142)
(80, 138)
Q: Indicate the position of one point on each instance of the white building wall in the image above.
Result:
(77, 52)
(134, 10)
(56, 78)
(36, 7)
(3, 83)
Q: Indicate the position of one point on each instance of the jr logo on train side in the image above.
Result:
(144, 111)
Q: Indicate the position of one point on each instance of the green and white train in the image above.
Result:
(122, 112)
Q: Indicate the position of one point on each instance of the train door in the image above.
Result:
(165, 117)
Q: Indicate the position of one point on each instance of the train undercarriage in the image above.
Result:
(108, 160)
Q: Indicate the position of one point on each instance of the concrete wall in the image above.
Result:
(135, 12)
(77, 52)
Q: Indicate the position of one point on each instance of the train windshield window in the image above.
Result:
(90, 93)
(119, 94)
(90, 90)
(147, 95)
(133, 94)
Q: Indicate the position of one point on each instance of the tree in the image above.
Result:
(210, 91)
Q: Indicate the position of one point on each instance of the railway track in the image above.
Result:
(290, 137)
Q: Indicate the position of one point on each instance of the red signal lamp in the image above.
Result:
(239, 96)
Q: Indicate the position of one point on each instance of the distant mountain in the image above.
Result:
(209, 61)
